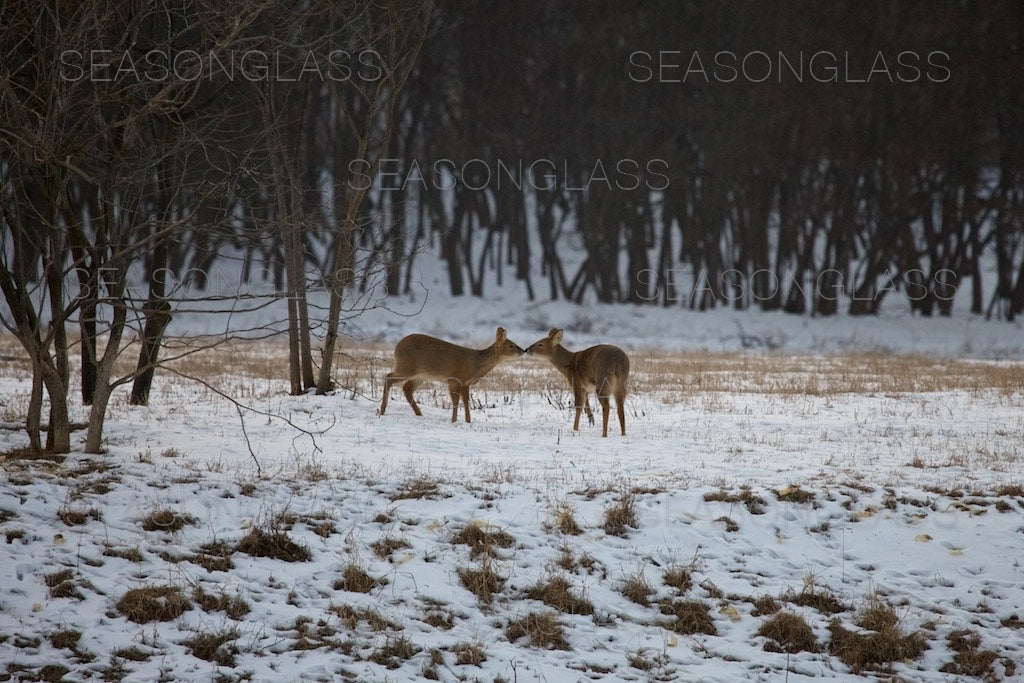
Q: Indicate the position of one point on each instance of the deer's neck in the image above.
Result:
(486, 359)
(562, 360)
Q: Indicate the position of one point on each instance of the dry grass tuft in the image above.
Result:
(421, 487)
(754, 503)
(483, 582)
(637, 589)
(482, 541)
(689, 617)
(794, 494)
(557, 592)
(969, 660)
(351, 616)
(469, 653)
(234, 606)
(153, 603)
(395, 650)
(564, 521)
(541, 629)
(788, 632)
(678, 577)
(817, 598)
(214, 646)
(571, 563)
(214, 556)
(765, 605)
(132, 554)
(620, 515)
(65, 639)
(166, 519)
(730, 524)
(354, 579)
(62, 584)
(274, 544)
(384, 546)
(77, 517)
(877, 647)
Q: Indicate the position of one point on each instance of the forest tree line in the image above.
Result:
(692, 154)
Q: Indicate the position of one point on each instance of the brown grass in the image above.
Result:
(881, 644)
(764, 605)
(541, 629)
(482, 541)
(384, 546)
(564, 521)
(351, 616)
(214, 646)
(395, 650)
(677, 577)
(65, 639)
(817, 598)
(166, 519)
(153, 603)
(62, 584)
(969, 660)
(637, 589)
(469, 653)
(234, 606)
(483, 581)
(794, 494)
(132, 554)
(570, 563)
(788, 632)
(354, 579)
(214, 556)
(78, 517)
(730, 524)
(688, 617)
(420, 487)
(620, 515)
(754, 503)
(275, 544)
(557, 592)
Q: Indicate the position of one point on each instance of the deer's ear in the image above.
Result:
(553, 332)
(557, 335)
(501, 335)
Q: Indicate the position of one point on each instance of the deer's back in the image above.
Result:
(426, 356)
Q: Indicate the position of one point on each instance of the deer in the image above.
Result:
(419, 357)
(603, 369)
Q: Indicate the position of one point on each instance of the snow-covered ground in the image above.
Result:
(908, 499)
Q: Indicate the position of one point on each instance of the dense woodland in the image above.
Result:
(809, 157)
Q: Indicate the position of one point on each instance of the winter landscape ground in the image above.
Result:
(794, 499)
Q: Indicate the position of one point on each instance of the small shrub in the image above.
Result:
(62, 584)
(820, 599)
(557, 592)
(765, 605)
(788, 632)
(65, 639)
(620, 515)
(542, 630)
(76, 517)
(153, 603)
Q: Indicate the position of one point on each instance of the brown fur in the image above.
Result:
(420, 357)
(603, 369)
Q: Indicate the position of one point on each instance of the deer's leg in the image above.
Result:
(579, 397)
(586, 407)
(408, 388)
(453, 391)
(605, 409)
(465, 400)
(620, 403)
(388, 381)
